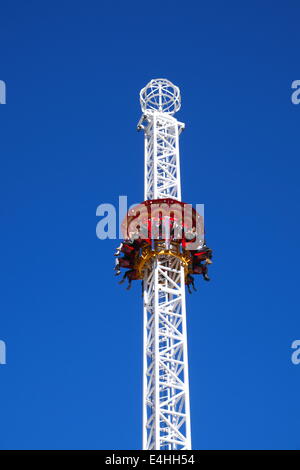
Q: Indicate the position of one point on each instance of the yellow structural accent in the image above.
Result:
(143, 260)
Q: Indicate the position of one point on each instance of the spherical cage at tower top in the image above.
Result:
(160, 95)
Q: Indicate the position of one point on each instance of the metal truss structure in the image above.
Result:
(166, 407)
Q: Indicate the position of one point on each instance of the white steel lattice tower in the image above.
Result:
(166, 407)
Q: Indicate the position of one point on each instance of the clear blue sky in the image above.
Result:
(69, 143)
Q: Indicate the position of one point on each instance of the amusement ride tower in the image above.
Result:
(164, 236)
